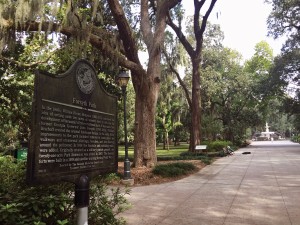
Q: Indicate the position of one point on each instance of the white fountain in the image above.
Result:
(267, 133)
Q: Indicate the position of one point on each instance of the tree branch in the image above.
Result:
(199, 31)
(183, 85)
(153, 40)
(98, 41)
(145, 24)
(125, 31)
(181, 36)
(24, 65)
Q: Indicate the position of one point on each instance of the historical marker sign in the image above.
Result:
(74, 127)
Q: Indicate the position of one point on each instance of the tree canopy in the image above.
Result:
(101, 30)
(284, 20)
(218, 94)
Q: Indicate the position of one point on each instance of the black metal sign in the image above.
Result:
(74, 127)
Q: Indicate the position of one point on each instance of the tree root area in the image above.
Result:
(144, 176)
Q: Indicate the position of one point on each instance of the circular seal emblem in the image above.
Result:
(85, 79)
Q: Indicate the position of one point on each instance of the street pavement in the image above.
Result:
(261, 188)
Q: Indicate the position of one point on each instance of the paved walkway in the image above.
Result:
(262, 188)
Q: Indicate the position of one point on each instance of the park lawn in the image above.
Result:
(174, 151)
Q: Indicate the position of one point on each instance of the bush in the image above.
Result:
(216, 146)
(174, 169)
(106, 204)
(21, 204)
(296, 138)
(207, 158)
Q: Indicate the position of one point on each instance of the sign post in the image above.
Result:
(82, 200)
(74, 131)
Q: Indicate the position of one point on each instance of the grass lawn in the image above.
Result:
(174, 151)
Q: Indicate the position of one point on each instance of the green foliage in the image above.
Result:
(16, 92)
(218, 145)
(296, 138)
(178, 152)
(21, 204)
(169, 109)
(110, 178)
(286, 76)
(228, 95)
(284, 21)
(207, 158)
(106, 204)
(16, 87)
(262, 60)
(130, 112)
(173, 169)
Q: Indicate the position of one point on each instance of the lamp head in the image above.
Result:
(123, 79)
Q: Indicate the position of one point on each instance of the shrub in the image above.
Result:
(296, 138)
(218, 145)
(207, 158)
(106, 204)
(173, 169)
(21, 204)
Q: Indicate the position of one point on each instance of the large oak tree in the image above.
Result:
(79, 19)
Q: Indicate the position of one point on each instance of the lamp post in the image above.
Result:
(123, 79)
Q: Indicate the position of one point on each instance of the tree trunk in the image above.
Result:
(145, 136)
(195, 136)
(228, 134)
(147, 87)
(165, 134)
(168, 140)
(164, 141)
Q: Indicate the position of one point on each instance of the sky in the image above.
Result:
(243, 23)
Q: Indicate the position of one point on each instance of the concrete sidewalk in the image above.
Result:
(260, 188)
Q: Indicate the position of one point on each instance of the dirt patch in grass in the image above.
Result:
(144, 176)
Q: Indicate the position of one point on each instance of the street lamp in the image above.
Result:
(122, 80)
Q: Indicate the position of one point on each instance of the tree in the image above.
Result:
(292, 108)
(173, 57)
(228, 94)
(164, 113)
(260, 66)
(284, 20)
(195, 54)
(92, 24)
(262, 60)
(16, 88)
(169, 109)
